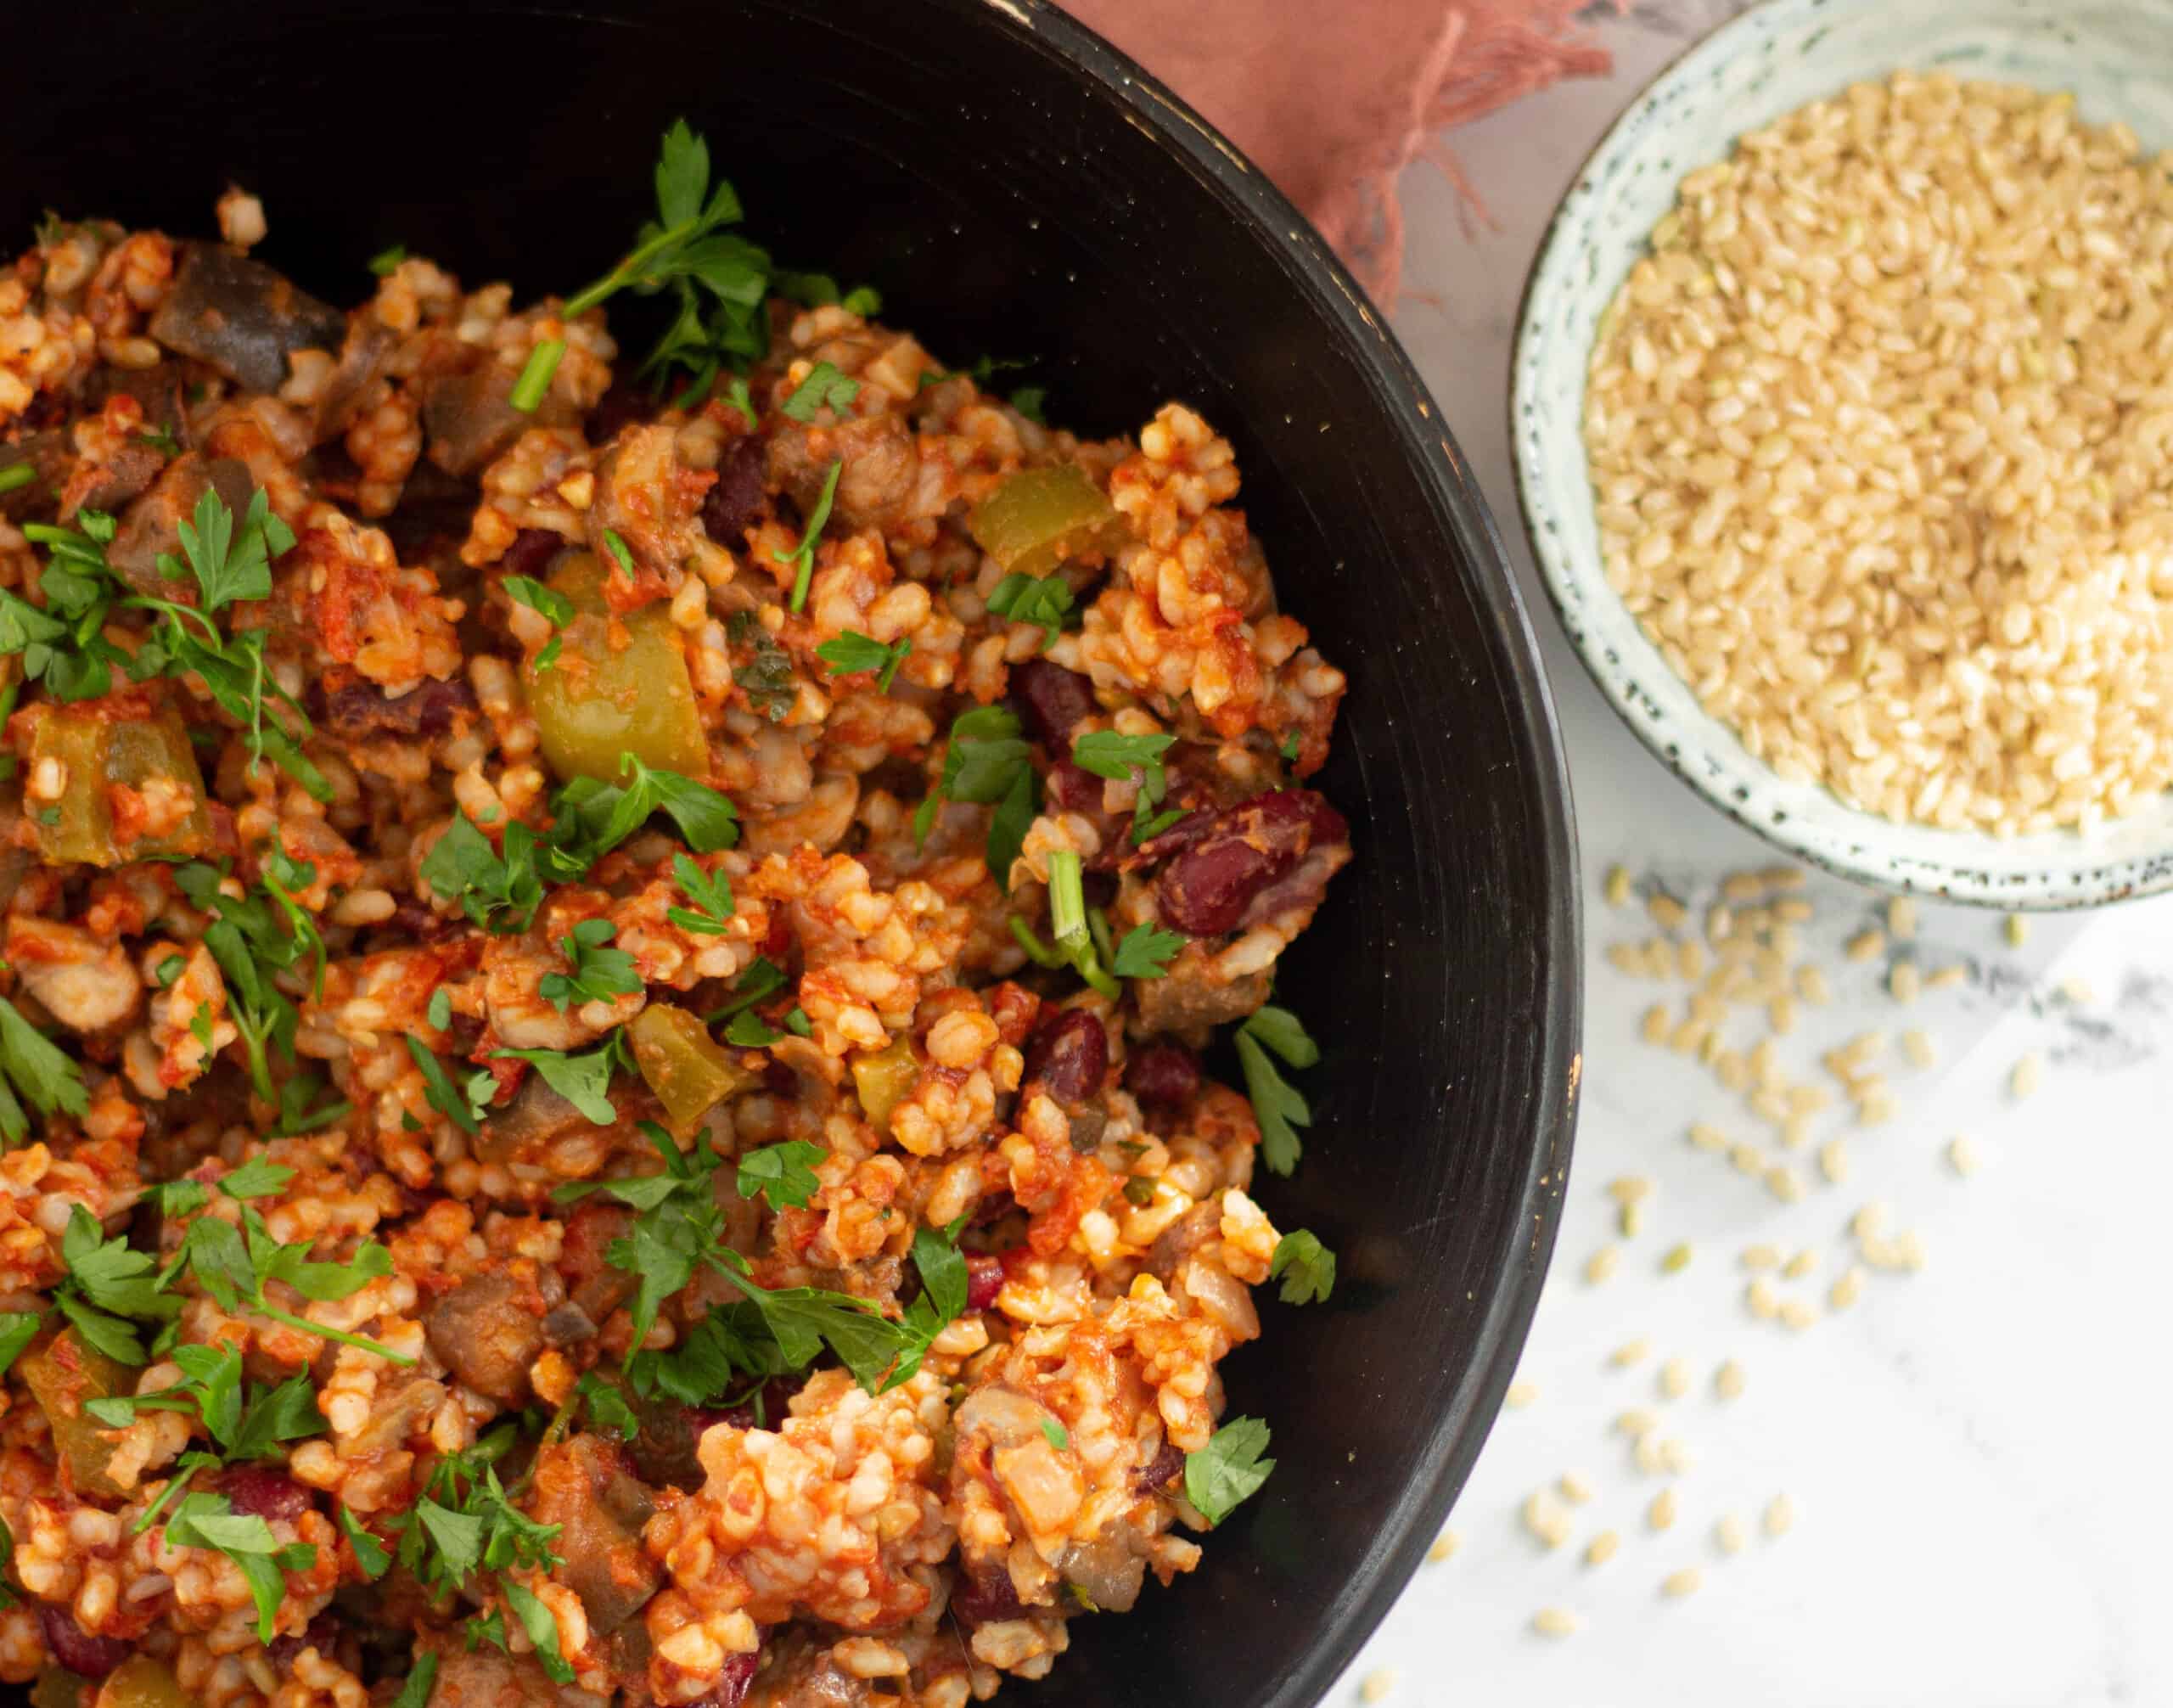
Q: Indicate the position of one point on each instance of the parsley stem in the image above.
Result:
(152, 1511)
(1097, 922)
(528, 391)
(1084, 963)
(17, 475)
(617, 280)
(264, 1308)
(1067, 901)
(1041, 954)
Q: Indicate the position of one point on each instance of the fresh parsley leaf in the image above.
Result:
(712, 895)
(802, 556)
(542, 1628)
(258, 1177)
(607, 1406)
(620, 554)
(386, 261)
(1145, 953)
(1044, 600)
(1278, 1106)
(988, 763)
(825, 388)
(853, 652)
(209, 1521)
(107, 1281)
(40, 1069)
(1118, 757)
(440, 1011)
(599, 972)
(440, 1092)
(296, 1116)
(415, 1687)
(370, 1554)
(498, 891)
(748, 1031)
(1229, 1469)
(230, 563)
(288, 1413)
(1307, 1267)
(1288, 747)
(555, 608)
(762, 978)
(782, 1173)
(583, 1080)
(18, 1328)
(1055, 1434)
(1029, 401)
(797, 1023)
(484, 1628)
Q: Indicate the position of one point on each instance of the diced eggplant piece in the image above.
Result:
(491, 1678)
(521, 1130)
(242, 318)
(488, 1333)
(152, 525)
(582, 1486)
(468, 418)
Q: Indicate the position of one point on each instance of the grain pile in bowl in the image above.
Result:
(1878, 433)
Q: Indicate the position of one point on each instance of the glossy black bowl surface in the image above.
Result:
(1016, 189)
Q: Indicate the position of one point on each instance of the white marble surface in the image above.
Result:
(1974, 1451)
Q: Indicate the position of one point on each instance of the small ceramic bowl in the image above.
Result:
(1773, 59)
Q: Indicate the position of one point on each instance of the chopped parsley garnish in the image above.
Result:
(44, 1075)
(18, 1328)
(820, 290)
(824, 387)
(986, 763)
(599, 972)
(767, 675)
(211, 1388)
(1045, 600)
(464, 1521)
(1307, 1267)
(1120, 758)
(802, 556)
(677, 1230)
(386, 261)
(1279, 1106)
(108, 1281)
(17, 475)
(542, 1628)
(1229, 1469)
(1145, 953)
(853, 652)
(63, 646)
(209, 1521)
(718, 280)
(1288, 747)
(440, 1011)
(762, 978)
(415, 1687)
(369, 1553)
(555, 608)
(296, 1117)
(1055, 1434)
(711, 915)
(536, 373)
(463, 1106)
(1028, 400)
(783, 1174)
(583, 1080)
(607, 1406)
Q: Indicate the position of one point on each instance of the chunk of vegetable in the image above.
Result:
(882, 1077)
(596, 700)
(59, 1688)
(62, 1375)
(143, 1682)
(689, 1071)
(1039, 517)
(150, 755)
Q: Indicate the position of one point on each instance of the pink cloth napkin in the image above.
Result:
(1331, 99)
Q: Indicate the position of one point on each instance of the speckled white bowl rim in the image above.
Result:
(2115, 55)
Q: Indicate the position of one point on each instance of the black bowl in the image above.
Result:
(1016, 189)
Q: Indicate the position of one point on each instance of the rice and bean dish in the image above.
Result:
(1877, 434)
(606, 964)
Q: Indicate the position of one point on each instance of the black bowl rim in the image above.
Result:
(1460, 1431)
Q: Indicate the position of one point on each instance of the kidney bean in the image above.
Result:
(620, 408)
(986, 1596)
(264, 1492)
(1204, 891)
(1052, 702)
(777, 1399)
(1166, 1074)
(1070, 1057)
(1154, 1476)
(75, 1647)
(530, 553)
(324, 1632)
(356, 708)
(983, 1280)
(730, 507)
(733, 1681)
